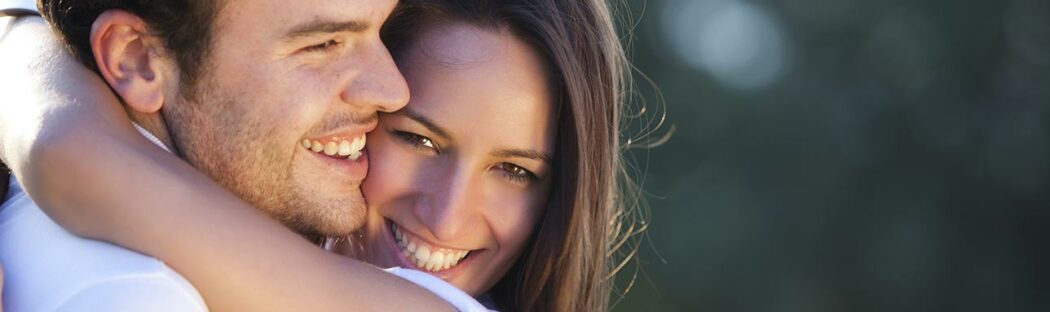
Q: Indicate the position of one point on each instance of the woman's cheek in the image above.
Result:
(381, 164)
(393, 170)
(514, 218)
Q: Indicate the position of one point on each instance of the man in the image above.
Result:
(215, 82)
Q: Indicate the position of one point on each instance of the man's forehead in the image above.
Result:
(282, 16)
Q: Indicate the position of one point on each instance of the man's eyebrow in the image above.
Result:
(524, 153)
(325, 27)
(425, 122)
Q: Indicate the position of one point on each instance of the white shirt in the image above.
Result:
(47, 268)
(454, 296)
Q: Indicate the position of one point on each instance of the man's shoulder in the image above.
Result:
(130, 293)
(18, 7)
(48, 268)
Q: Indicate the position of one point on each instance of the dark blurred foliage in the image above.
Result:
(844, 155)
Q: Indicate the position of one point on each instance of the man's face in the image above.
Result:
(284, 84)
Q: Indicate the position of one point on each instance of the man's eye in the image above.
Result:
(516, 174)
(416, 141)
(323, 47)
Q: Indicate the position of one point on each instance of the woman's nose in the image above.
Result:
(452, 210)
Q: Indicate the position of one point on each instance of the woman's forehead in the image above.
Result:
(474, 80)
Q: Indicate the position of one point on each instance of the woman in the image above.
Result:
(557, 182)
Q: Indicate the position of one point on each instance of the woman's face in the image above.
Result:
(459, 177)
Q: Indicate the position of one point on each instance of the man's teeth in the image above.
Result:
(425, 256)
(355, 148)
(343, 148)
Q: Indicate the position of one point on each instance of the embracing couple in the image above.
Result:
(173, 155)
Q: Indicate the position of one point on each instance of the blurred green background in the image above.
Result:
(844, 155)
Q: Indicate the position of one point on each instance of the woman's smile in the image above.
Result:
(423, 255)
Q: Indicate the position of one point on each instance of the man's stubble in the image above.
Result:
(228, 141)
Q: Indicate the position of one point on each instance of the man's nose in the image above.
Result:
(380, 85)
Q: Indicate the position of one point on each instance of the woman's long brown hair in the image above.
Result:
(572, 254)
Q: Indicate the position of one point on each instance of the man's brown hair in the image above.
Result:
(183, 25)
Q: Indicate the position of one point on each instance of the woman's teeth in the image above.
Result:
(342, 148)
(426, 256)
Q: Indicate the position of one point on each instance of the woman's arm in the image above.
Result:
(1, 288)
(76, 154)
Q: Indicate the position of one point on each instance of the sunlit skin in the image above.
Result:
(466, 166)
(270, 85)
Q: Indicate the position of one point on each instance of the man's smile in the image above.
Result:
(341, 147)
(345, 149)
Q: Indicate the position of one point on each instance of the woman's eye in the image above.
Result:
(416, 141)
(323, 47)
(516, 173)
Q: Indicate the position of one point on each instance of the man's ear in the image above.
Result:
(127, 56)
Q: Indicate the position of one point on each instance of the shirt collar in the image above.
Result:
(149, 136)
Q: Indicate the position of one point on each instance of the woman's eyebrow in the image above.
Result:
(411, 114)
(524, 153)
(503, 153)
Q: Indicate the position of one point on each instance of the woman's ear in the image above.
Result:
(128, 59)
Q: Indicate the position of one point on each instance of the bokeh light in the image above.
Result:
(738, 43)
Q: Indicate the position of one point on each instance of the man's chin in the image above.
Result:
(342, 228)
(328, 219)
